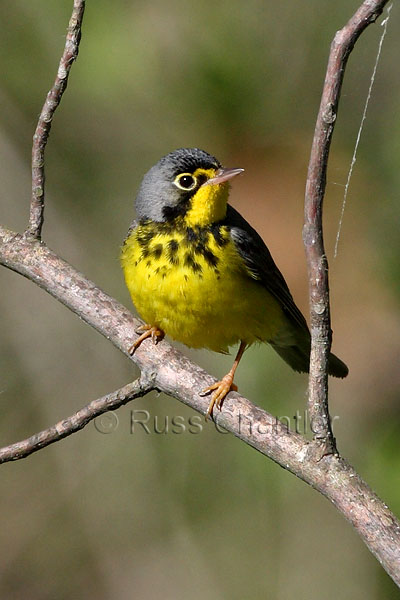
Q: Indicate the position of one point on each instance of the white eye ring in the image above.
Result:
(187, 185)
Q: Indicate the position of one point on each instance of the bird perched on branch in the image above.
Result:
(197, 271)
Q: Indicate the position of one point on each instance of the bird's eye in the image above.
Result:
(186, 182)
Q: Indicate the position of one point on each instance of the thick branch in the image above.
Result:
(171, 372)
(321, 333)
(43, 127)
(75, 422)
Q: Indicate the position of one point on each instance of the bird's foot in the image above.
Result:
(155, 333)
(222, 388)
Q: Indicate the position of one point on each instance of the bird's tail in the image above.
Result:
(298, 357)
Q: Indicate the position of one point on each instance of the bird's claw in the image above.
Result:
(222, 388)
(155, 333)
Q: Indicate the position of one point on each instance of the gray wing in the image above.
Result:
(260, 264)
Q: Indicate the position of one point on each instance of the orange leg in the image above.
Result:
(223, 387)
(155, 333)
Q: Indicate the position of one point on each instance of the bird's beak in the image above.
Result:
(223, 175)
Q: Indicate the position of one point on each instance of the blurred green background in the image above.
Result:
(193, 515)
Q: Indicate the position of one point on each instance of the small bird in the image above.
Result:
(198, 272)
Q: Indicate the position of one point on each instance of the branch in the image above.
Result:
(171, 372)
(321, 333)
(75, 422)
(43, 127)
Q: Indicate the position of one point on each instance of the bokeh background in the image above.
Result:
(193, 515)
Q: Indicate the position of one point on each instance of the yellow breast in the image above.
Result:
(192, 284)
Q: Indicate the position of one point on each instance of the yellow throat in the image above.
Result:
(208, 205)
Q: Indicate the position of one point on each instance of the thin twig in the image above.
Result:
(171, 372)
(43, 127)
(75, 422)
(321, 334)
(358, 138)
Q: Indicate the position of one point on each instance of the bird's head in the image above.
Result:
(187, 183)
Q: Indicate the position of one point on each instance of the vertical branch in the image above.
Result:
(43, 127)
(317, 263)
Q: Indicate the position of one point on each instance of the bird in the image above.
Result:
(197, 271)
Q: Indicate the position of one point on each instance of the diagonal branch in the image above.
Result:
(75, 422)
(321, 334)
(171, 372)
(43, 127)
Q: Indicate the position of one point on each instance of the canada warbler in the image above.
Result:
(197, 271)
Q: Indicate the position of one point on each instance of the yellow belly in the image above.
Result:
(200, 304)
